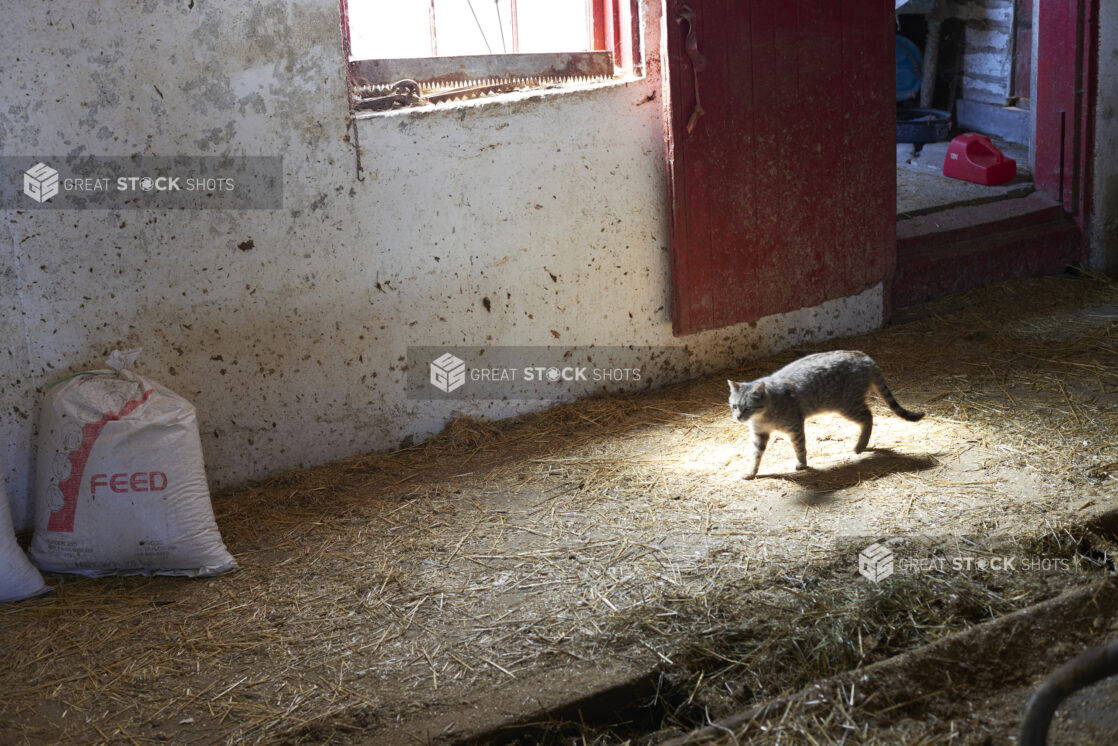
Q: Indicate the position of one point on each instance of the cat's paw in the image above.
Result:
(801, 467)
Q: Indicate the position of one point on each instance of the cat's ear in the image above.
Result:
(734, 387)
(759, 388)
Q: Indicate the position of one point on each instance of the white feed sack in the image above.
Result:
(121, 487)
(18, 578)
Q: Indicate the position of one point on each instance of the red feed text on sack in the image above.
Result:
(141, 481)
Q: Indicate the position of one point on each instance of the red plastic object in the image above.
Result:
(972, 157)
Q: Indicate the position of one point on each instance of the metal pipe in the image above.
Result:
(431, 18)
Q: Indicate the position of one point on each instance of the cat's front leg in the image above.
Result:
(760, 441)
(863, 417)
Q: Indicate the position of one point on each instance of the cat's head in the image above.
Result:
(746, 399)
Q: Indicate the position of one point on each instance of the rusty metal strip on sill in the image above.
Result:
(390, 84)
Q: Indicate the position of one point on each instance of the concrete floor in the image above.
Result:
(922, 188)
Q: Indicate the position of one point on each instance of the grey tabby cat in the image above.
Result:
(836, 381)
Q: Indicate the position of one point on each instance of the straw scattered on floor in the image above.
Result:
(614, 528)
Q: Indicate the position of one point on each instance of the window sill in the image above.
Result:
(381, 85)
(538, 92)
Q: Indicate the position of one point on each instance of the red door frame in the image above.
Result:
(1067, 89)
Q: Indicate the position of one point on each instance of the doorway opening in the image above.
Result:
(1042, 116)
(963, 67)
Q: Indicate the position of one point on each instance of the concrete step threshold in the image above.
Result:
(970, 246)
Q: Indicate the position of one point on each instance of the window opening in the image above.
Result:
(423, 52)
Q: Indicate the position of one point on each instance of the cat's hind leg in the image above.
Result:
(863, 416)
(760, 442)
(799, 444)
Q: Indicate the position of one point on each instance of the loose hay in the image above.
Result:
(618, 527)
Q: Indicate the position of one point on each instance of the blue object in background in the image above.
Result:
(909, 69)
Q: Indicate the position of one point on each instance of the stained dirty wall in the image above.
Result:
(288, 329)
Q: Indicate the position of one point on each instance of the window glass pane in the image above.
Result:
(554, 25)
(473, 27)
(387, 29)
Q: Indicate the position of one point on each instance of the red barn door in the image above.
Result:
(779, 119)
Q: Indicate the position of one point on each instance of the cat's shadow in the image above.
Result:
(819, 486)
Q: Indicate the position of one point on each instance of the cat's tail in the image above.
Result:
(882, 388)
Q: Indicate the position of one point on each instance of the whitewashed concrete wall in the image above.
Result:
(553, 207)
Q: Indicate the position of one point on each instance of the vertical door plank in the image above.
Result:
(734, 231)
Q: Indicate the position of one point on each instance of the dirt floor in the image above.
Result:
(601, 573)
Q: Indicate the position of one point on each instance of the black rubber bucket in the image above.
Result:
(922, 125)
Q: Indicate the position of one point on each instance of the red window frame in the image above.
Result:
(615, 29)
